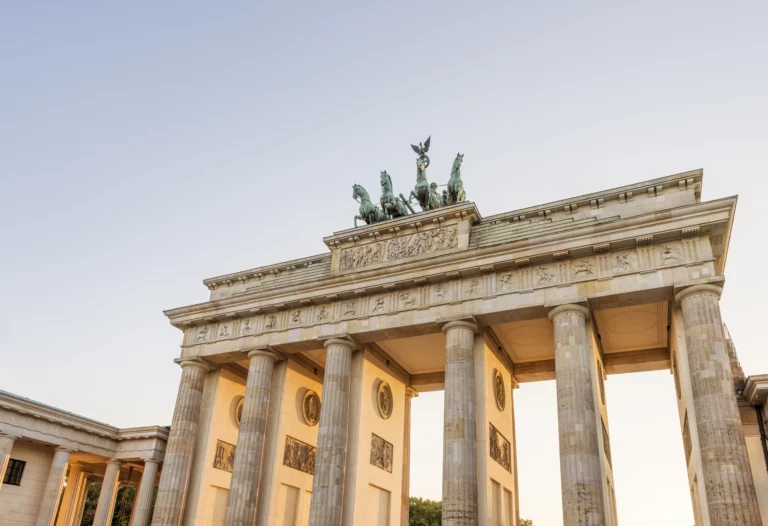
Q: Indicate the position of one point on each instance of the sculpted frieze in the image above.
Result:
(299, 455)
(224, 459)
(669, 255)
(435, 240)
(583, 268)
(381, 453)
(500, 448)
(488, 283)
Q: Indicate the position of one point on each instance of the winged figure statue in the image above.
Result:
(422, 149)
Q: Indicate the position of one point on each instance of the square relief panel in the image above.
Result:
(473, 288)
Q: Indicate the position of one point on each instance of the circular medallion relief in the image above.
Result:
(384, 400)
(310, 407)
(499, 393)
(239, 411)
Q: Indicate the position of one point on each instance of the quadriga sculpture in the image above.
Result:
(369, 212)
(456, 192)
(392, 205)
(421, 190)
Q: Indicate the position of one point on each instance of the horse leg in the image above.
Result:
(356, 218)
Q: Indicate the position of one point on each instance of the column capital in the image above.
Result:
(8, 434)
(338, 341)
(712, 290)
(151, 461)
(65, 449)
(115, 462)
(192, 362)
(266, 351)
(460, 323)
(410, 393)
(571, 307)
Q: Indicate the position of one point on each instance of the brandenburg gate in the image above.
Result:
(297, 378)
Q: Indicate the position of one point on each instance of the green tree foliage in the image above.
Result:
(425, 512)
(91, 499)
(123, 504)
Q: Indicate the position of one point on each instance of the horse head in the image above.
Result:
(358, 192)
(457, 162)
(386, 181)
(422, 163)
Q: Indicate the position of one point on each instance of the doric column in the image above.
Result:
(76, 483)
(143, 504)
(246, 471)
(459, 438)
(580, 463)
(53, 485)
(406, 492)
(172, 490)
(731, 497)
(6, 445)
(109, 486)
(328, 482)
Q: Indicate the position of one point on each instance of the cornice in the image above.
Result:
(41, 411)
(259, 272)
(756, 389)
(692, 179)
(133, 433)
(51, 414)
(660, 226)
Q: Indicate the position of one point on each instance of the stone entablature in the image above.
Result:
(46, 424)
(568, 214)
(646, 252)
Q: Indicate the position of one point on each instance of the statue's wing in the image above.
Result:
(426, 144)
(416, 149)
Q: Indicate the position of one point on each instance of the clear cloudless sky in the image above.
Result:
(146, 146)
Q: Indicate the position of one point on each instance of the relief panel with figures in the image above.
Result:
(435, 240)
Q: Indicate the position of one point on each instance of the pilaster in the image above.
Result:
(6, 446)
(410, 394)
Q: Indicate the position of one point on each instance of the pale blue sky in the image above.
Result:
(145, 147)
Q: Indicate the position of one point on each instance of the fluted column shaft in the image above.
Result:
(109, 486)
(6, 445)
(731, 497)
(76, 482)
(580, 463)
(172, 491)
(328, 483)
(50, 502)
(246, 471)
(143, 504)
(459, 434)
